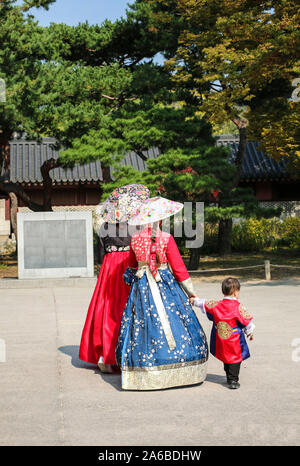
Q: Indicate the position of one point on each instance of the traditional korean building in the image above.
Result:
(80, 187)
(272, 183)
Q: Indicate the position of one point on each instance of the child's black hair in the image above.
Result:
(230, 285)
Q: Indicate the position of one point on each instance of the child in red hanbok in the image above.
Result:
(231, 322)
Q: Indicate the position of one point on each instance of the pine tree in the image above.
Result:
(230, 57)
(20, 60)
(65, 82)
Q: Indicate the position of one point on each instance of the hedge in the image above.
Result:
(256, 235)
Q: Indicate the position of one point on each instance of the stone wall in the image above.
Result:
(290, 208)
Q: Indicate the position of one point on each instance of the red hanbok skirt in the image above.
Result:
(101, 329)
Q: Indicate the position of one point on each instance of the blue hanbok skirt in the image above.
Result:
(143, 353)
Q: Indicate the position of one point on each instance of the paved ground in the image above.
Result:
(49, 397)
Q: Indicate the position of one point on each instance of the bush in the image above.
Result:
(290, 232)
(210, 245)
(255, 235)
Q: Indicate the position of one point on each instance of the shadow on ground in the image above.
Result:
(214, 378)
(73, 351)
(114, 379)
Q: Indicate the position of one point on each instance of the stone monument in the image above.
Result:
(55, 244)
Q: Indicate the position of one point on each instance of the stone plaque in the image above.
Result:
(55, 244)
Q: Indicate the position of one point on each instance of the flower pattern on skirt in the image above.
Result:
(142, 342)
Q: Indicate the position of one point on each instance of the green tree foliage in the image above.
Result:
(23, 49)
(230, 58)
(237, 61)
(100, 92)
(71, 83)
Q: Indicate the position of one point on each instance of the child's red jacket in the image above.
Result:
(230, 319)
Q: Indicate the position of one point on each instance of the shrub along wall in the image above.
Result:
(256, 235)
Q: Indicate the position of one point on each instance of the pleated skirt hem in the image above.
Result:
(163, 377)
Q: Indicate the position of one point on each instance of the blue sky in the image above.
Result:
(73, 12)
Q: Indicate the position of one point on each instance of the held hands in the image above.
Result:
(192, 298)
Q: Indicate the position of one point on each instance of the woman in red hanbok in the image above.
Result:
(100, 332)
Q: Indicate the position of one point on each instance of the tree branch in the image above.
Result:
(47, 181)
(141, 155)
(9, 187)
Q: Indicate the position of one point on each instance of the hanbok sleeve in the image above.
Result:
(209, 307)
(178, 268)
(249, 329)
(198, 302)
(245, 319)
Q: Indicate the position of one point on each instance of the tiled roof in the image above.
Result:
(256, 165)
(28, 156)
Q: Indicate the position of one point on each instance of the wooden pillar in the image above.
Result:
(268, 270)
(7, 209)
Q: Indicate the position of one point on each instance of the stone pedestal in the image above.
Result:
(4, 224)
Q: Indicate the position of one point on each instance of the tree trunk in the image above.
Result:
(47, 182)
(13, 188)
(13, 215)
(225, 226)
(4, 156)
(224, 236)
(9, 187)
(240, 155)
(106, 174)
(194, 259)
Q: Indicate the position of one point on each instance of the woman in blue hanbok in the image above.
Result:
(161, 343)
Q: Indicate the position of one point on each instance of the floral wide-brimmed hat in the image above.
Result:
(123, 203)
(155, 209)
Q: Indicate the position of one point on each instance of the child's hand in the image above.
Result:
(192, 298)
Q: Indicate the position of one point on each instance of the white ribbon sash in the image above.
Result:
(158, 301)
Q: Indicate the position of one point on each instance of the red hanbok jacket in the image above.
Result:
(167, 250)
(230, 321)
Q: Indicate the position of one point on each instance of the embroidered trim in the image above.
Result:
(116, 248)
(244, 313)
(157, 379)
(187, 286)
(175, 365)
(210, 304)
(224, 330)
